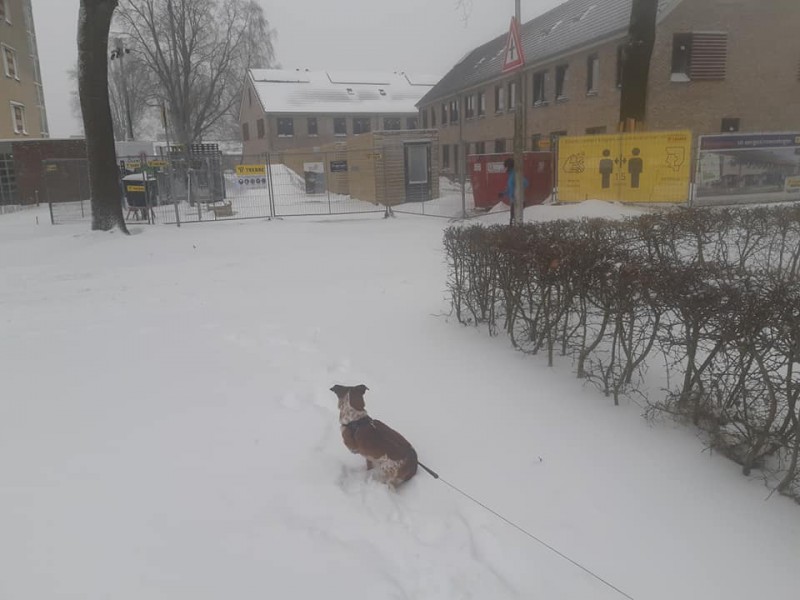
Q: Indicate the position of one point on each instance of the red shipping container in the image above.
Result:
(489, 178)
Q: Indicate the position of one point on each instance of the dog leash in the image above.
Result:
(435, 475)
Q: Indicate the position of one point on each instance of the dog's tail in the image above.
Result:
(433, 474)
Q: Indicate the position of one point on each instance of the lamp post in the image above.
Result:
(118, 53)
(519, 133)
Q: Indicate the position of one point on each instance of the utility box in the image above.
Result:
(489, 178)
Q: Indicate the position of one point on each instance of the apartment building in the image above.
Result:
(286, 110)
(717, 66)
(22, 110)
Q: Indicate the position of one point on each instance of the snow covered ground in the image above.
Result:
(166, 431)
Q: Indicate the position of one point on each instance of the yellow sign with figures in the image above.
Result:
(630, 167)
(245, 170)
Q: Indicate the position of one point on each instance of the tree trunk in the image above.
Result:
(636, 62)
(94, 22)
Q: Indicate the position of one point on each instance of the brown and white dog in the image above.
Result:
(389, 453)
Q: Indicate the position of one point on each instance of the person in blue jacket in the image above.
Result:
(511, 183)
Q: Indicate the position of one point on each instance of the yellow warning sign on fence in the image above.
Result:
(135, 188)
(156, 164)
(244, 170)
(630, 167)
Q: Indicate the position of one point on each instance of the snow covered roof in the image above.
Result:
(339, 92)
(572, 25)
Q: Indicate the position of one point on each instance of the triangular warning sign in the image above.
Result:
(515, 53)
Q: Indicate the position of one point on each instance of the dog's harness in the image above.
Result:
(354, 426)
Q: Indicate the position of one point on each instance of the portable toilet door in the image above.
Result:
(418, 171)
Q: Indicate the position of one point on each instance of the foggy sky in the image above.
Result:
(418, 36)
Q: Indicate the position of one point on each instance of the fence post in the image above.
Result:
(52, 219)
(270, 190)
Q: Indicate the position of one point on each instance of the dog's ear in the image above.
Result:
(361, 389)
(338, 389)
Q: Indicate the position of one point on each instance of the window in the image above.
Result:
(499, 99)
(444, 114)
(596, 130)
(469, 111)
(339, 126)
(699, 56)
(592, 74)
(5, 13)
(433, 117)
(512, 95)
(361, 125)
(480, 147)
(554, 135)
(246, 131)
(424, 119)
(412, 123)
(561, 82)
(539, 88)
(481, 104)
(620, 64)
(10, 61)
(730, 125)
(313, 127)
(536, 142)
(499, 146)
(681, 56)
(392, 124)
(18, 115)
(260, 128)
(454, 111)
(445, 156)
(286, 127)
(456, 164)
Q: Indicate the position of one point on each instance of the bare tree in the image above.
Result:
(464, 7)
(199, 52)
(94, 22)
(636, 62)
(139, 84)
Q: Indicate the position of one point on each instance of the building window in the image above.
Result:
(444, 114)
(731, 125)
(620, 64)
(361, 125)
(445, 156)
(554, 135)
(424, 119)
(481, 103)
(433, 117)
(596, 130)
(339, 126)
(261, 130)
(512, 95)
(699, 56)
(18, 116)
(454, 116)
(5, 13)
(392, 124)
(246, 131)
(480, 147)
(561, 82)
(681, 56)
(499, 99)
(10, 62)
(286, 127)
(469, 111)
(499, 146)
(412, 123)
(456, 164)
(313, 127)
(592, 74)
(539, 88)
(536, 142)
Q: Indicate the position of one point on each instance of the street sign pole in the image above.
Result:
(519, 128)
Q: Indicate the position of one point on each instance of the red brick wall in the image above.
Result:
(28, 157)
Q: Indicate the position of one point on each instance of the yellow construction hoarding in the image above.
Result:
(630, 167)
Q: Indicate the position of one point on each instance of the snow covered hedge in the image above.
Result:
(708, 300)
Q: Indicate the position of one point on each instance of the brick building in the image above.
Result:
(288, 110)
(22, 112)
(717, 65)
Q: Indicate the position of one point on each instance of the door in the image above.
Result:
(418, 172)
